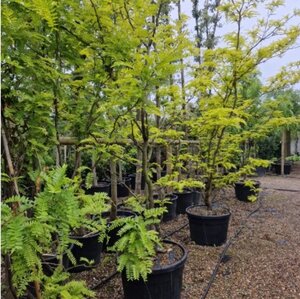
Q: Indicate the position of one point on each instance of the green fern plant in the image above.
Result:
(23, 239)
(138, 240)
(58, 210)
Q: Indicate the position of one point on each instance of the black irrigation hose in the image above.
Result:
(229, 242)
(285, 190)
(175, 231)
(104, 281)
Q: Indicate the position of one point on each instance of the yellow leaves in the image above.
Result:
(286, 77)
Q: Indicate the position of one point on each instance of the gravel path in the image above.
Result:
(265, 260)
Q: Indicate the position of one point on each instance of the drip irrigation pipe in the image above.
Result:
(285, 190)
(104, 281)
(175, 231)
(229, 242)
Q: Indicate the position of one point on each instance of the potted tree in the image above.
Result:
(149, 266)
(227, 112)
(56, 212)
(64, 205)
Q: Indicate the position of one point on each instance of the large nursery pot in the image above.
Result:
(113, 234)
(243, 192)
(261, 171)
(170, 214)
(100, 187)
(287, 168)
(207, 230)
(123, 187)
(184, 200)
(91, 250)
(163, 283)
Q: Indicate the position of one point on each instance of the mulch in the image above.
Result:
(262, 262)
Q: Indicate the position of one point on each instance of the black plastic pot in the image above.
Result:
(171, 207)
(50, 262)
(162, 283)
(243, 192)
(122, 188)
(261, 171)
(208, 230)
(113, 234)
(100, 187)
(91, 250)
(184, 200)
(197, 197)
(132, 177)
(287, 168)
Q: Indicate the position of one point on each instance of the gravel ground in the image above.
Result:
(262, 262)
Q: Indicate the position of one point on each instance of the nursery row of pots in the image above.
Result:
(123, 186)
(206, 228)
(275, 168)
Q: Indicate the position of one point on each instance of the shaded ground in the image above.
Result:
(262, 262)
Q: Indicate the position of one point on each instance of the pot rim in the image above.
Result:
(187, 210)
(89, 235)
(184, 192)
(243, 182)
(174, 266)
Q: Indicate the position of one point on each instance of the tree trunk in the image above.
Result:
(138, 173)
(169, 163)
(149, 187)
(114, 189)
(283, 140)
(288, 143)
(77, 162)
(95, 178)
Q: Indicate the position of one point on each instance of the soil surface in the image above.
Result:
(263, 261)
(203, 211)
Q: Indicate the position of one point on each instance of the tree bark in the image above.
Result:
(114, 189)
(283, 140)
